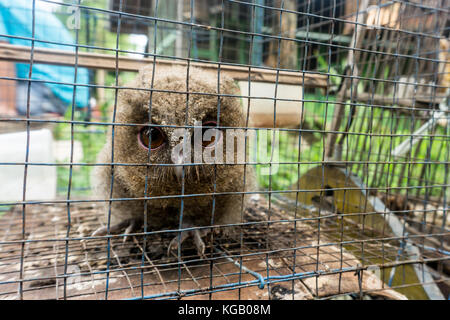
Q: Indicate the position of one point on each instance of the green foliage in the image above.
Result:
(375, 133)
(92, 138)
(424, 165)
(323, 67)
(295, 152)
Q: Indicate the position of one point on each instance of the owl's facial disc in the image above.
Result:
(151, 137)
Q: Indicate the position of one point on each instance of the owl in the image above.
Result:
(167, 124)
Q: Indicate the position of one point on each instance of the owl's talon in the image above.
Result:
(116, 228)
(129, 229)
(173, 245)
(100, 231)
(199, 244)
(197, 237)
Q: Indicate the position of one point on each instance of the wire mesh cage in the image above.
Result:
(226, 149)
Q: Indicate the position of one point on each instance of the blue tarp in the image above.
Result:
(16, 20)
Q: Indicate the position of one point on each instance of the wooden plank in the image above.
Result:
(411, 102)
(108, 61)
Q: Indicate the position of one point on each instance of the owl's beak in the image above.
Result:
(178, 159)
(179, 172)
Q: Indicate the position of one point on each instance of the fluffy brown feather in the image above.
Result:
(167, 106)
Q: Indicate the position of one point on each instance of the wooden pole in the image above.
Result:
(22, 54)
(339, 109)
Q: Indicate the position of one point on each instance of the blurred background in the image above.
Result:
(316, 40)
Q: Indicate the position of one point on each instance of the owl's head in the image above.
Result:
(163, 114)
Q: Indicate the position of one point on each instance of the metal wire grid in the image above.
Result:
(47, 260)
(361, 245)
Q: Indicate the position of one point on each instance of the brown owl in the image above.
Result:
(160, 138)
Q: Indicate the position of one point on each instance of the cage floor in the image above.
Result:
(296, 259)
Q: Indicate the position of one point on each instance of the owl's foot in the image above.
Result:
(129, 225)
(195, 234)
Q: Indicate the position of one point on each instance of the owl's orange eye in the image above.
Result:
(153, 136)
(206, 126)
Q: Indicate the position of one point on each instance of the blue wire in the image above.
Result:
(280, 278)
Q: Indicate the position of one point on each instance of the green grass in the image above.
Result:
(92, 138)
(383, 170)
(432, 149)
(292, 149)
